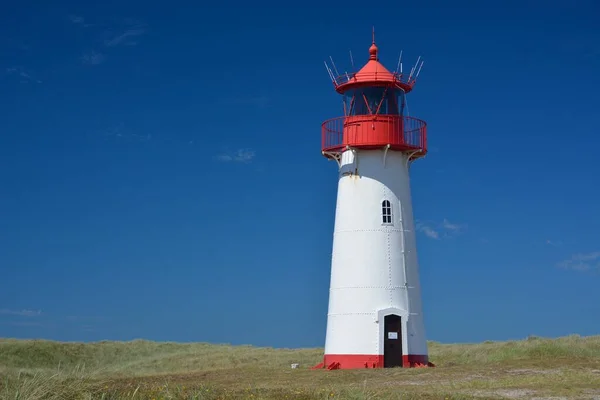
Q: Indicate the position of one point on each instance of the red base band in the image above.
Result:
(353, 361)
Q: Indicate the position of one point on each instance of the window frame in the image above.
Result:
(387, 214)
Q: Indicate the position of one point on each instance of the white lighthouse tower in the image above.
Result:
(375, 316)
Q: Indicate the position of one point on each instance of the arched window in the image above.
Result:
(386, 212)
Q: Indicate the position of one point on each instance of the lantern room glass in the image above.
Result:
(392, 101)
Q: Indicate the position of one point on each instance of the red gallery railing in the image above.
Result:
(374, 131)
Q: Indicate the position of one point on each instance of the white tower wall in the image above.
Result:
(374, 269)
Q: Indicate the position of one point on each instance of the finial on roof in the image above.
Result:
(373, 49)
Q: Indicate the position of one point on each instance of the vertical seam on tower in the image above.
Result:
(389, 254)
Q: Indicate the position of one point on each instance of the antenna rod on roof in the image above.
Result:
(329, 72)
(334, 67)
(419, 71)
(413, 68)
(412, 71)
(351, 59)
(399, 62)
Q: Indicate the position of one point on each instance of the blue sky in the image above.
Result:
(161, 175)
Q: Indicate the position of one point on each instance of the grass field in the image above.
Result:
(534, 368)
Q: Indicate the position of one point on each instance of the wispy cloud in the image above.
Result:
(24, 76)
(451, 227)
(21, 313)
(241, 155)
(76, 19)
(125, 38)
(443, 229)
(113, 33)
(93, 58)
(79, 20)
(584, 262)
(128, 35)
(553, 243)
(119, 132)
(427, 230)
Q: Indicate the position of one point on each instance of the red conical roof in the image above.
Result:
(373, 73)
(373, 69)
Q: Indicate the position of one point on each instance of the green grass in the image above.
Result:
(567, 367)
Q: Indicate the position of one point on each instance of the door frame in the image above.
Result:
(380, 320)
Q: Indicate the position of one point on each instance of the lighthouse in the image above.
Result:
(375, 316)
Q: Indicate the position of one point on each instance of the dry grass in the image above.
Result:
(567, 368)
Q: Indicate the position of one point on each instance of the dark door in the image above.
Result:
(392, 342)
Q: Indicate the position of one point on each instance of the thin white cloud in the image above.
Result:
(553, 243)
(443, 229)
(241, 155)
(23, 75)
(128, 37)
(450, 226)
(79, 20)
(452, 229)
(93, 58)
(21, 313)
(116, 32)
(582, 262)
(119, 132)
(76, 19)
(427, 230)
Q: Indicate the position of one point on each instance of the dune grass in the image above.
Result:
(567, 367)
